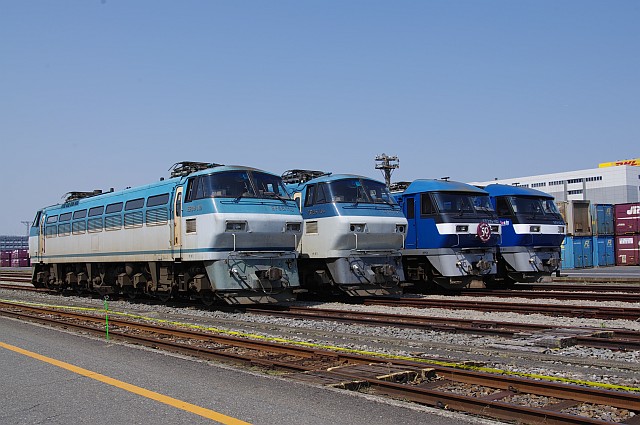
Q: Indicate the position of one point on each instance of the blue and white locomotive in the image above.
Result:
(210, 232)
(452, 234)
(353, 233)
(532, 232)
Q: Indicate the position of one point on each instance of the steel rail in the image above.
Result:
(615, 339)
(591, 312)
(574, 394)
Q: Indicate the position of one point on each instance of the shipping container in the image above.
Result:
(19, 262)
(577, 215)
(582, 252)
(20, 253)
(5, 255)
(627, 218)
(603, 251)
(566, 252)
(602, 219)
(628, 250)
(5, 262)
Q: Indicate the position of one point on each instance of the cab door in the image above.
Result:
(177, 223)
(411, 241)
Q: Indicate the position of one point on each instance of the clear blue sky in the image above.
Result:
(99, 94)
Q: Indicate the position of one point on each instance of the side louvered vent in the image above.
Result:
(191, 225)
(311, 227)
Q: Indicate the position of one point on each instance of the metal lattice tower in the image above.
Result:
(387, 164)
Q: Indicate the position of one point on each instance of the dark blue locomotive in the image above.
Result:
(532, 232)
(452, 235)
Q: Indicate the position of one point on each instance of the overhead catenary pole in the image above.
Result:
(387, 164)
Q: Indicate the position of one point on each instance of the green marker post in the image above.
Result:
(106, 314)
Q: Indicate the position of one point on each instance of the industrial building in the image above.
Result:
(610, 183)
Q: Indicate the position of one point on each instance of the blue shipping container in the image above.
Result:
(603, 251)
(602, 219)
(566, 251)
(582, 252)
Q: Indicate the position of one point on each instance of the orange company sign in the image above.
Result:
(634, 162)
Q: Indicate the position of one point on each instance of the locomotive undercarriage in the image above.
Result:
(525, 265)
(451, 271)
(167, 280)
(356, 276)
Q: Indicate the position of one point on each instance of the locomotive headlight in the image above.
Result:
(357, 227)
(292, 227)
(560, 229)
(462, 228)
(236, 226)
(400, 228)
(534, 229)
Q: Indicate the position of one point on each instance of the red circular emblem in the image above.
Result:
(484, 232)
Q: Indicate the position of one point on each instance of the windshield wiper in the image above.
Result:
(275, 195)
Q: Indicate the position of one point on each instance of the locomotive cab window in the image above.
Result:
(502, 205)
(308, 200)
(36, 220)
(321, 195)
(426, 205)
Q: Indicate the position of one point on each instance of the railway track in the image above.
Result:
(539, 335)
(590, 312)
(452, 387)
(558, 295)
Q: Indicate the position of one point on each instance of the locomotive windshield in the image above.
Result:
(526, 209)
(464, 204)
(236, 184)
(359, 190)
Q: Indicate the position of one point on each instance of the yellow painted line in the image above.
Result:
(182, 405)
(349, 350)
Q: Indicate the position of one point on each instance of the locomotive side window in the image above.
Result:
(96, 211)
(52, 219)
(156, 200)
(65, 217)
(79, 214)
(114, 208)
(134, 204)
(411, 208)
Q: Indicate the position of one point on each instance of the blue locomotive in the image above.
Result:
(209, 232)
(353, 233)
(532, 232)
(452, 235)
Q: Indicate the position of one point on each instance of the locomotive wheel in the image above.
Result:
(207, 298)
(163, 296)
(130, 292)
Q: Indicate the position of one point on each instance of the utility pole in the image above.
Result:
(27, 224)
(387, 164)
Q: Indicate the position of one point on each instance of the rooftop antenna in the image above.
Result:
(387, 165)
